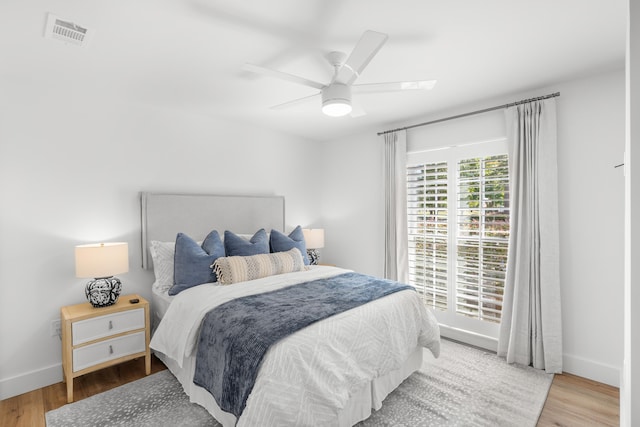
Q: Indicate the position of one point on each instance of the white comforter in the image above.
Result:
(307, 376)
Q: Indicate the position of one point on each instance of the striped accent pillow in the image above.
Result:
(234, 269)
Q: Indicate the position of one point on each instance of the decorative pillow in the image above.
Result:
(235, 245)
(162, 254)
(192, 263)
(246, 237)
(234, 269)
(281, 243)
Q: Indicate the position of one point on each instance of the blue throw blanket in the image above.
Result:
(235, 336)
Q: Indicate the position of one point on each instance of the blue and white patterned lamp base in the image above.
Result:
(103, 291)
(313, 255)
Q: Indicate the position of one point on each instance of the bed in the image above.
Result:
(332, 372)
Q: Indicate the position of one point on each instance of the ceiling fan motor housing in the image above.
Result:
(335, 96)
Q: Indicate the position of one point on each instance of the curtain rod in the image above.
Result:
(524, 101)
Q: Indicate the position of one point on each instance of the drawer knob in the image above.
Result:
(110, 349)
(110, 324)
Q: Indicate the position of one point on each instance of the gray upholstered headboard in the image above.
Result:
(164, 215)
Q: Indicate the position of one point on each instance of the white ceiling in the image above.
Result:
(186, 55)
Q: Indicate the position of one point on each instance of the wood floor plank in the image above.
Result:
(54, 396)
(576, 401)
(25, 410)
(572, 401)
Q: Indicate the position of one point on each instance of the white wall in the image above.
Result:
(352, 198)
(73, 159)
(591, 121)
(630, 387)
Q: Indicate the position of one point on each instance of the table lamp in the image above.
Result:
(314, 240)
(102, 261)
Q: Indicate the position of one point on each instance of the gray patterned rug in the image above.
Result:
(464, 387)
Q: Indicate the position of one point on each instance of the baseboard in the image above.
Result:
(467, 337)
(581, 367)
(595, 371)
(29, 381)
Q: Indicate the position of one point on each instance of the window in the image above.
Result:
(458, 223)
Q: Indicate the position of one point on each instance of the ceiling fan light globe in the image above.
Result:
(336, 108)
(336, 100)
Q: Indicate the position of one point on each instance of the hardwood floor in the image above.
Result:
(576, 401)
(572, 401)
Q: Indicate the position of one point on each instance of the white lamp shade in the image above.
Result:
(102, 259)
(313, 237)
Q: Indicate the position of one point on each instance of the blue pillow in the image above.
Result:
(282, 243)
(192, 263)
(235, 245)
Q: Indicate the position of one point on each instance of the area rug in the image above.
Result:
(464, 387)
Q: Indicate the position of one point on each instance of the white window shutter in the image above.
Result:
(458, 226)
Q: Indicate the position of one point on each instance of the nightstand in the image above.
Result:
(94, 338)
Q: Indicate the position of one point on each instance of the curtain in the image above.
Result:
(396, 265)
(531, 327)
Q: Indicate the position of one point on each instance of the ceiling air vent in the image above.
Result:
(66, 31)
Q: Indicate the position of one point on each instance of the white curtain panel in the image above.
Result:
(531, 327)
(396, 264)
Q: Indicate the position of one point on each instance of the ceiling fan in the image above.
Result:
(336, 95)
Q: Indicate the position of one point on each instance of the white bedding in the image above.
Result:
(310, 376)
(160, 302)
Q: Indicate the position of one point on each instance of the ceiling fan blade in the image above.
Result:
(367, 47)
(295, 102)
(394, 86)
(281, 75)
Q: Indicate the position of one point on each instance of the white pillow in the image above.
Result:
(162, 254)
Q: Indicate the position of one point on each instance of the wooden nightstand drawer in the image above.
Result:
(107, 325)
(103, 351)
